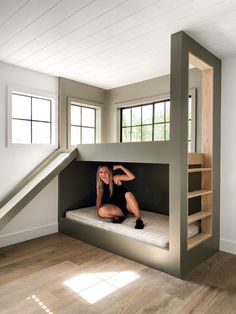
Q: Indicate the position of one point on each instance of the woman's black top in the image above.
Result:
(118, 196)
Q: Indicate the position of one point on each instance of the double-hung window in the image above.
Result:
(146, 122)
(151, 122)
(31, 119)
(84, 119)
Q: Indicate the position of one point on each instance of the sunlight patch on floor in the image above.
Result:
(94, 287)
(40, 303)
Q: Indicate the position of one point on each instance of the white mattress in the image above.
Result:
(155, 232)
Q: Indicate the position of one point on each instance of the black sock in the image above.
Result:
(139, 224)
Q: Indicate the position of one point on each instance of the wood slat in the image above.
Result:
(198, 63)
(196, 159)
(198, 193)
(194, 241)
(23, 16)
(198, 216)
(199, 169)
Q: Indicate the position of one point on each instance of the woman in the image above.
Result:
(113, 199)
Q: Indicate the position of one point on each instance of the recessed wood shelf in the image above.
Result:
(201, 186)
(198, 216)
(199, 169)
(195, 158)
(199, 238)
(198, 193)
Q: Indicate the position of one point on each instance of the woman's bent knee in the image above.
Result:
(101, 212)
(129, 195)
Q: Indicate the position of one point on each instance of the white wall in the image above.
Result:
(228, 157)
(141, 92)
(38, 218)
(17, 161)
(145, 91)
(78, 92)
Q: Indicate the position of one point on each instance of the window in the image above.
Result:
(146, 122)
(32, 119)
(151, 122)
(190, 124)
(82, 124)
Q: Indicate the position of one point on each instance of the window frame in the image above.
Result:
(153, 100)
(193, 95)
(37, 94)
(135, 102)
(153, 123)
(86, 104)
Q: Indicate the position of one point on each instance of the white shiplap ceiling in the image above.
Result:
(110, 43)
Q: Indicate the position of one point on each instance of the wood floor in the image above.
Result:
(58, 274)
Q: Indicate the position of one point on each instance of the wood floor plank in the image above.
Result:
(200, 300)
(33, 279)
(218, 271)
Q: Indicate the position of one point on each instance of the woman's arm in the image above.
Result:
(127, 176)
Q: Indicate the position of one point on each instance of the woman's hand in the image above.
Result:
(126, 176)
(115, 167)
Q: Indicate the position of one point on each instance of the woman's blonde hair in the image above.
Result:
(100, 183)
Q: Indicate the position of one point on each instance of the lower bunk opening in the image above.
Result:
(77, 198)
(78, 217)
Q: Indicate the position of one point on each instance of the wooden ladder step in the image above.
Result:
(198, 216)
(199, 169)
(198, 193)
(199, 238)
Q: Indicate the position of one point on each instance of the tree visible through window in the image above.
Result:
(31, 119)
(83, 124)
(151, 122)
(147, 122)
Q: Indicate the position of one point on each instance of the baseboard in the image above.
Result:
(28, 234)
(228, 246)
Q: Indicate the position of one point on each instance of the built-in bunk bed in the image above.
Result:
(178, 192)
